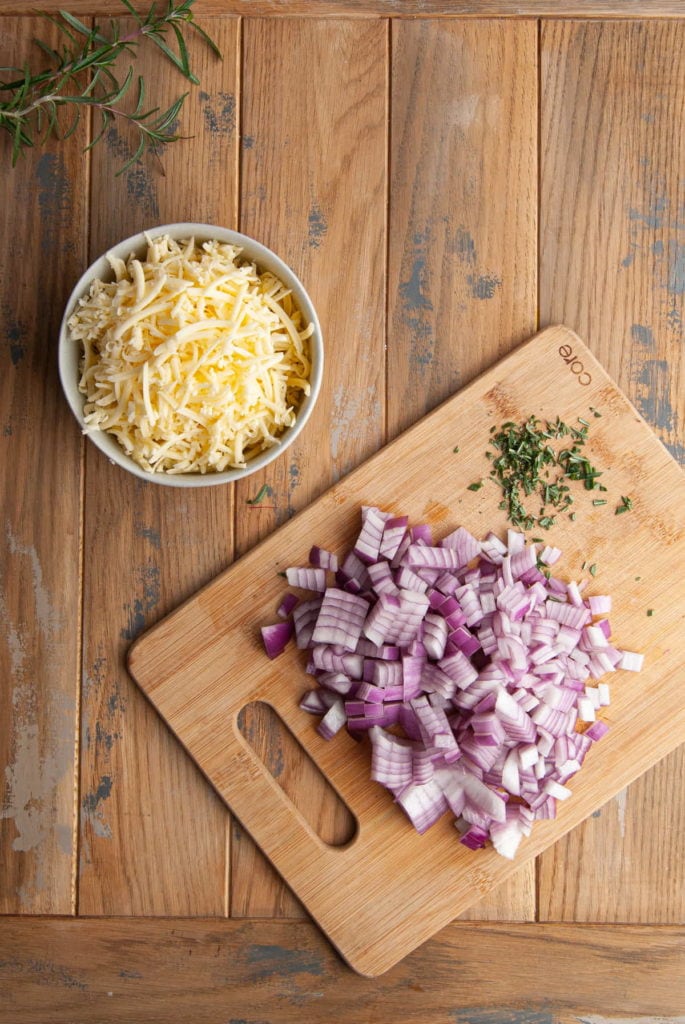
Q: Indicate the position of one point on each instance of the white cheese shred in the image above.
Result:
(193, 359)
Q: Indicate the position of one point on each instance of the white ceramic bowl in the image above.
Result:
(265, 259)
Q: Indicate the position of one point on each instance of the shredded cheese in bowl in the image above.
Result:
(193, 359)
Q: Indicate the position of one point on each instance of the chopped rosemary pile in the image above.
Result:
(530, 468)
(83, 74)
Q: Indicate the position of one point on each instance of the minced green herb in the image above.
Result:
(650, 611)
(475, 487)
(261, 494)
(593, 569)
(527, 465)
(625, 506)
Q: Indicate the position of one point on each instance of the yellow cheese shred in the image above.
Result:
(192, 358)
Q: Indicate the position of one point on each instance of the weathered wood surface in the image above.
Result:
(284, 972)
(43, 220)
(153, 834)
(313, 184)
(612, 266)
(100, 810)
(471, 9)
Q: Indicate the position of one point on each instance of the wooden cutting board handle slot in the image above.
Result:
(276, 824)
(297, 774)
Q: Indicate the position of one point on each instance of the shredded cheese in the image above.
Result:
(193, 359)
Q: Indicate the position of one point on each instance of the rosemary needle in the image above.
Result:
(36, 105)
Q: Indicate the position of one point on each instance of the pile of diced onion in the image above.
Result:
(476, 673)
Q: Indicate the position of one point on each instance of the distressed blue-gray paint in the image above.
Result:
(677, 451)
(149, 533)
(137, 612)
(269, 959)
(502, 1016)
(115, 703)
(643, 335)
(652, 394)
(91, 800)
(413, 289)
(317, 226)
(54, 199)
(676, 268)
(674, 319)
(218, 112)
(483, 286)
(464, 246)
(103, 738)
(651, 219)
(17, 335)
(46, 971)
(628, 260)
(140, 186)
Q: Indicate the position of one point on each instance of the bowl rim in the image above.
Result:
(263, 257)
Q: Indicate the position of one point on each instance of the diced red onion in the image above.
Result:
(597, 730)
(323, 559)
(276, 637)
(631, 662)
(333, 721)
(286, 606)
(340, 619)
(368, 544)
(394, 532)
(490, 669)
(306, 578)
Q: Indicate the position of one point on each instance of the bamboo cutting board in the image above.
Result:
(389, 889)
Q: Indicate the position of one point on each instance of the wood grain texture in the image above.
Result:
(203, 663)
(612, 265)
(284, 972)
(463, 231)
(153, 834)
(471, 9)
(463, 225)
(43, 222)
(314, 190)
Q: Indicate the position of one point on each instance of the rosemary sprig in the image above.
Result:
(37, 105)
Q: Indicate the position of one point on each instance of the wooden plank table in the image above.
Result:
(444, 184)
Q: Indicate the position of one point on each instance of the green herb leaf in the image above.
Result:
(475, 487)
(39, 104)
(259, 496)
(625, 506)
